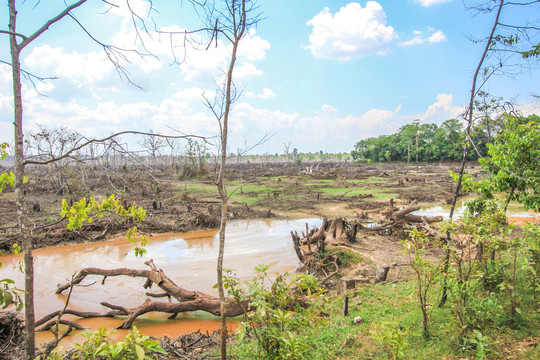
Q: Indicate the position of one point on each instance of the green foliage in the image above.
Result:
(416, 247)
(6, 179)
(281, 312)
(480, 345)
(533, 52)
(427, 142)
(10, 295)
(514, 162)
(86, 210)
(532, 267)
(393, 338)
(3, 150)
(492, 276)
(98, 346)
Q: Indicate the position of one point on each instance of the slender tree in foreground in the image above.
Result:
(232, 22)
(504, 42)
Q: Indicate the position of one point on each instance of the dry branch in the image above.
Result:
(187, 300)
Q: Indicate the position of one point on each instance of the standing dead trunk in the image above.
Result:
(15, 49)
(19, 183)
(237, 12)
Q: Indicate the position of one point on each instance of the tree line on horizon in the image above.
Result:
(417, 142)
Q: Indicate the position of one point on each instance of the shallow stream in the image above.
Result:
(189, 259)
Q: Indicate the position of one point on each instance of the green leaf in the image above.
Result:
(140, 352)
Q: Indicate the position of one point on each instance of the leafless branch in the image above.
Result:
(95, 141)
(46, 26)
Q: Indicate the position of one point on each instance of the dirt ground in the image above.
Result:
(178, 205)
(174, 204)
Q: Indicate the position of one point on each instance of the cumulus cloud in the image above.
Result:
(209, 64)
(81, 68)
(436, 37)
(325, 128)
(266, 94)
(420, 37)
(431, 2)
(352, 32)
(253, 47)
(442, 109)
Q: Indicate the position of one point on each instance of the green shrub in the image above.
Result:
(281, 313)
(99, 346)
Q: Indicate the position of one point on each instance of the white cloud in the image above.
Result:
(246, 70)
(266, 94)
(433, 36)
(263, 119)
(436, 37)
(442, 109)
(431, 2)
(352, 32)
(324, 129)
(208, 65)
(80, 68)
(529, 108)
(252, 47)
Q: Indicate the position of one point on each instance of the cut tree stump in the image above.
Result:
(381, 274)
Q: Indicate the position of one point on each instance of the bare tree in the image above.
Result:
(153, 144)
(287, 151)
(18, 42)
(231, 20)
(51, 143)
(173, 145)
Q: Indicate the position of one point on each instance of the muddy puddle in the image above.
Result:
(189, 259)
(516, 214)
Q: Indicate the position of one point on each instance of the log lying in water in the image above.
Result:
(187, 300)
(396, 217)
(340, 232)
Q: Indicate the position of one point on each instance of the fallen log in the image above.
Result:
(420, 218)
(187, 300)
(397, 217)
(400, 214)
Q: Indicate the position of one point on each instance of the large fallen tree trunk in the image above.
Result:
(187, 300)
(340, 232)
(397, 217)
(420, 218)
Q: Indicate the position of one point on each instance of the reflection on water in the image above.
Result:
(189, 259)
(515, 213)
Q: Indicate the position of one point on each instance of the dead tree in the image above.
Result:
(335, 232)
(322, 264)
(186, 300)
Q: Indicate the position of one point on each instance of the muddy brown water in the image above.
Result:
(516, 214)
(189, 259)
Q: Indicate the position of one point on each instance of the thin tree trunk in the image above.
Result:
(18, 186)
(465, 149)
(239, 23)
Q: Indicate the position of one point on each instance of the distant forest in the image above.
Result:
(419, 142)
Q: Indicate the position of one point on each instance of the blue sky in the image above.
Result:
(318, 74)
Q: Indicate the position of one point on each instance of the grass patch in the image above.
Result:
(349, 192)
(393, 309)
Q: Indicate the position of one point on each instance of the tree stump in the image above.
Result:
(381, 274)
